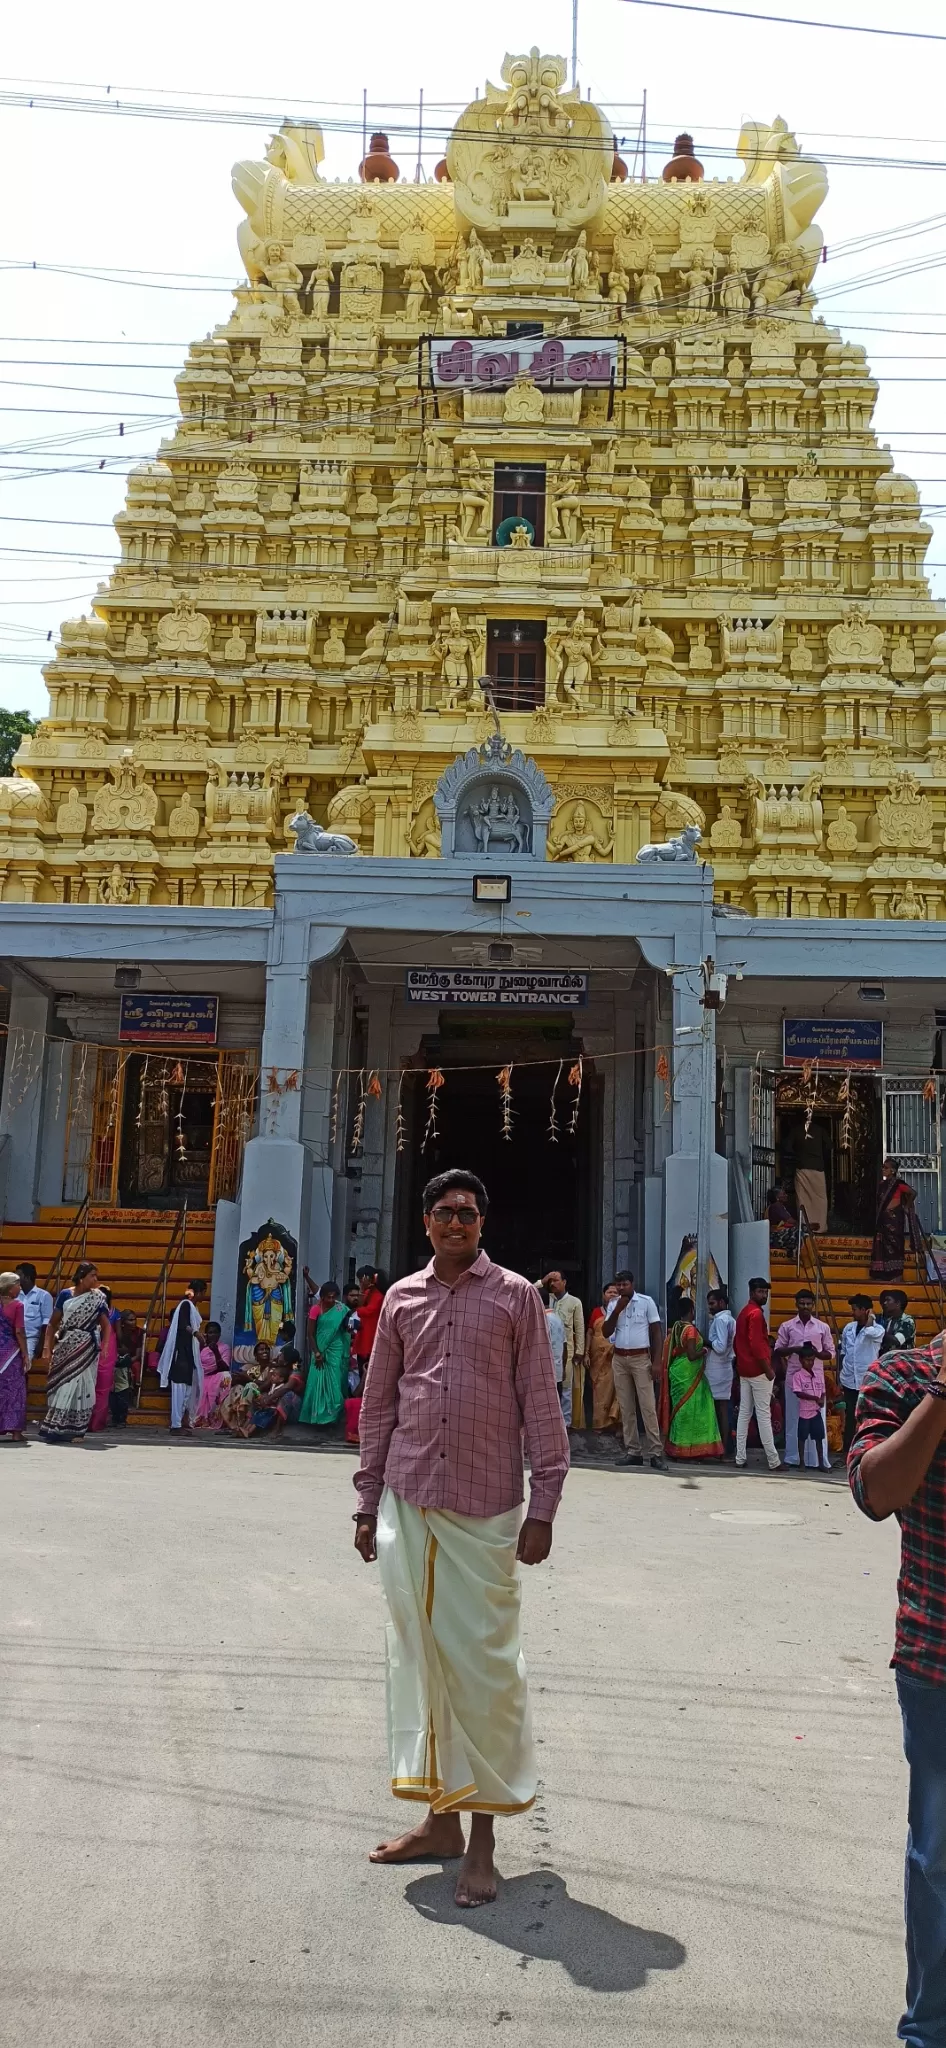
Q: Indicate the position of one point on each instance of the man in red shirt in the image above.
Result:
(369, 1309)
(753, 1351)
(461, 1373)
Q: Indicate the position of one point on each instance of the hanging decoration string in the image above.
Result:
(435, 1081)
(575, 1079)
(400, 1126)
(504, 1077)
(553, 1110)
(358, 1127)
(662, 1071)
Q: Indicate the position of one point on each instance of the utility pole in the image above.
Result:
(574, 43)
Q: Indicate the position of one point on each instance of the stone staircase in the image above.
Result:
(845, 1264)
(129, 1247)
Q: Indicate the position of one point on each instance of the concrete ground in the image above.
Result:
(192, 1753)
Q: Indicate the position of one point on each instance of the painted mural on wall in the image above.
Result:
(266, 1283)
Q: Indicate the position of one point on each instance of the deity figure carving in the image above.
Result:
(476, 499)
(283, 276)
(114, 889)
(416, 285)
(699, 282)
(782, 281)
(456, 649)
(471, 264)
(734, 292)
(498, 817)
(424, 840)
(72, 815)
(320, 285)
(528, 265)
(577, 268)
(571, 649)
(579, 840)
(656, 645)
(650, 293)
(841, 835)
(334, 649)
(564, 503)
(619, 285)
(136, 644)
(907, 905)
(362, 285)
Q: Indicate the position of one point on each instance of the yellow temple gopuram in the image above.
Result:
(531, 422)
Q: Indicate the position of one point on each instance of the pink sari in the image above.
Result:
(104, 1378)
(216, 1386)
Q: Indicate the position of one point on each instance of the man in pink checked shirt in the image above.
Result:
(460, 1373)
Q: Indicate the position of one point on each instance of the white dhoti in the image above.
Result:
(184, 1399)
(459, 1725)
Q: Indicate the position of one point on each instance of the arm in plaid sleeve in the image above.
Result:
(378, 1418)
(539, 1406)
(899, 1430)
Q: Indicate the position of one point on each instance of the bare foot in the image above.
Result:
(440, 1835)
(476, 1884)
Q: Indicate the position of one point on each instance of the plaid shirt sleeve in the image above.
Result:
(537, 1395)
(378, 1418)
(881, 1409)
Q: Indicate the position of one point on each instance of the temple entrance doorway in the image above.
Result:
(544, 1191)
(845, 1116)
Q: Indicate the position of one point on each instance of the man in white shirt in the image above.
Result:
(633, 1327)
(37, 1308)
(720, 1361)
(860, 1347)
(569, 1309)
(557, 1338)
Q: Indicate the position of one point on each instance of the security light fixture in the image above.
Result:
(128, 977)
(492, 888)
(872, 992)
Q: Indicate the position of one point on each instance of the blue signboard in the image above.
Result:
(168, 1020)
(833, 1042)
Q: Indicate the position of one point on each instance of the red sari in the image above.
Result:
(896, 1221)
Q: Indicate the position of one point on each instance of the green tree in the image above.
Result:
(13, 725)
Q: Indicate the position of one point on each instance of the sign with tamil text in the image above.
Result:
(487, 365)
(498, 988)
(833, 1041)
(168, 1020)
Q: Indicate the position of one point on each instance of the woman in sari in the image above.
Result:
(896, 1219)
(687, 1410)
(14, 1361)
(105, 1370)
(71, 1354)
(217, 1381)
(327, 1383)
(605, 1413)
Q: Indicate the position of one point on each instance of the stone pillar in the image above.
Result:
(378, 1057)
(21, 1100)
(277, 1181)
(52, 1151)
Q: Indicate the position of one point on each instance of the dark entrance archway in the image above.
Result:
(545, 1196)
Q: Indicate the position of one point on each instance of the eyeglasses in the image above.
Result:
(446, 1216)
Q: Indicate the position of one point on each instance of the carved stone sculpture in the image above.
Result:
(683, 847)
(311, 838)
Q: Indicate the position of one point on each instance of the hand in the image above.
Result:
(535, 1541)
(365, 1538)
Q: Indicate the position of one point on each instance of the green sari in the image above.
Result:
(688, 1411)
(326, 1385)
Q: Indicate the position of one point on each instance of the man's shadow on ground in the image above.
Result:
(534, 1916)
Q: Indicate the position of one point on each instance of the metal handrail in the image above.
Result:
(807, 1253)
(933, 1290)
(172, 1251)
(80, 1224)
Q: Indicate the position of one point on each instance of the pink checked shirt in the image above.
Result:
(458, 1376)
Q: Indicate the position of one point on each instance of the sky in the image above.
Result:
(131, 224)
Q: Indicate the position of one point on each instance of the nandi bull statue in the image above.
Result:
(310, 837)
(682, 848)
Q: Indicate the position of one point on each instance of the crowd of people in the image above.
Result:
(93, 1356)
(679, 1394)
(685, 1394)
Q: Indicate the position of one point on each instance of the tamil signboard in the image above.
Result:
(498, 988)
(473, 365)
(833, 1042)
(168, 1020)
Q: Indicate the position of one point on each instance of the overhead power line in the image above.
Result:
(848, 28)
